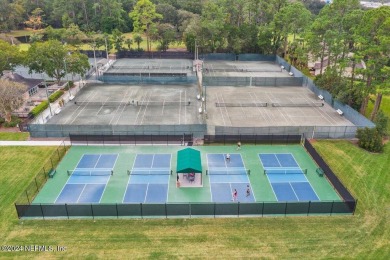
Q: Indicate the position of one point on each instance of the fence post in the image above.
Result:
(58, 152)
(36, 184)
(331, 208)
(117, 213)
(262, 210)
(189, 209)
(28, 199)
(215, 204)
(93, 216)
(285, 209)
(166, 212)
(354, 209)
(142, 215)
(52, 165)
(43, 215)
(66, 209)
(308, 209)
(238, 209)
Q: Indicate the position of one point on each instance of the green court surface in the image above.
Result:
(116, 187)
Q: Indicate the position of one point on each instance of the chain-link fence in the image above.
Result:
(188, 210)
(57, 130)
(47, 170)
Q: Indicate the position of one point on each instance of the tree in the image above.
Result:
(128, 43)
(374, 45)
(118, 39)
(144, 16)
(10, 56)
(212, 26)
(164, 34)
(11, 97)
(35, 19)
(52, 56)
(138, 39)
(370, 139)
(11, 14)
(381, 121)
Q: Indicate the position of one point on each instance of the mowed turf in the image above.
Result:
(363, 236)
(10, 136)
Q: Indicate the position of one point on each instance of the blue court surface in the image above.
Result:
(292, 187)
(272, 160)
(83, 186)
(227, 175)
(149, 179)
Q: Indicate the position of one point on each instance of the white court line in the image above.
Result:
(151, 166)
(85, 185)
(258, 108)
(162, 109)
(277, 160)
(128, 97)
(276, 197)
(180, 107)
(266, 111)
(104, 190)
(82, 109)
(91, 95)
(101, 107)
(296, 196)
(185, 107)
(146, 108)
(118, 107)
(146, 193)
(97, 161)
(140, 107)
(227, 113)
(220, 110)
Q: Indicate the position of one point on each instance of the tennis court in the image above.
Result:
(149, 179)
(109, 104)
(227, 175)
(88, 180)
(287, 179)
(269, 106)
(215, 68)
(145, 177)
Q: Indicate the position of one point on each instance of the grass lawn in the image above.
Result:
(385, 107)
(26, 32)
(363, 236)
(9, 136)
(26, 46)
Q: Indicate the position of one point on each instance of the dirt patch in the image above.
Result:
(9, 129)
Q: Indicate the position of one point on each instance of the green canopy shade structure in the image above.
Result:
(188, 161)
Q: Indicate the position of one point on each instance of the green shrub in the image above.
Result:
(38, 109)
(14, 122)
(381, 121)
(56, 95)
(370, 139)
(2, 120)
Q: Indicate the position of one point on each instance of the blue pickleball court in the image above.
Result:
(149, 179)
(88, 180)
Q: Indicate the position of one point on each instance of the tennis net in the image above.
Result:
(150, 67)
(241, 171)
(241, 70)
(240, 104)
(149, 172)
(90, 172)
(308, 104)
(286, 171)
(132, 103)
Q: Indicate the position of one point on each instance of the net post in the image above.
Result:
(207, 172)
(128, 172)
(68, 172)
(112, 172)
(265, 171)
(249, 172)
(171, 172)
(305, 171)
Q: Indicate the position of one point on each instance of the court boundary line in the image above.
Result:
(296, 162)
(272, 188)
(313, 188)
(289, 183)
(77, 201)
(146, 192)
(104, 190)
(268, 154)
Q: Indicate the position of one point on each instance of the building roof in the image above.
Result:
(30, 83)
(188, 161)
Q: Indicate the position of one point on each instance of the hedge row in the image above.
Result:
(56, 95)
(38, 109)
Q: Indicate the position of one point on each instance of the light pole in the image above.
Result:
(47, 95)
(67, 81)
